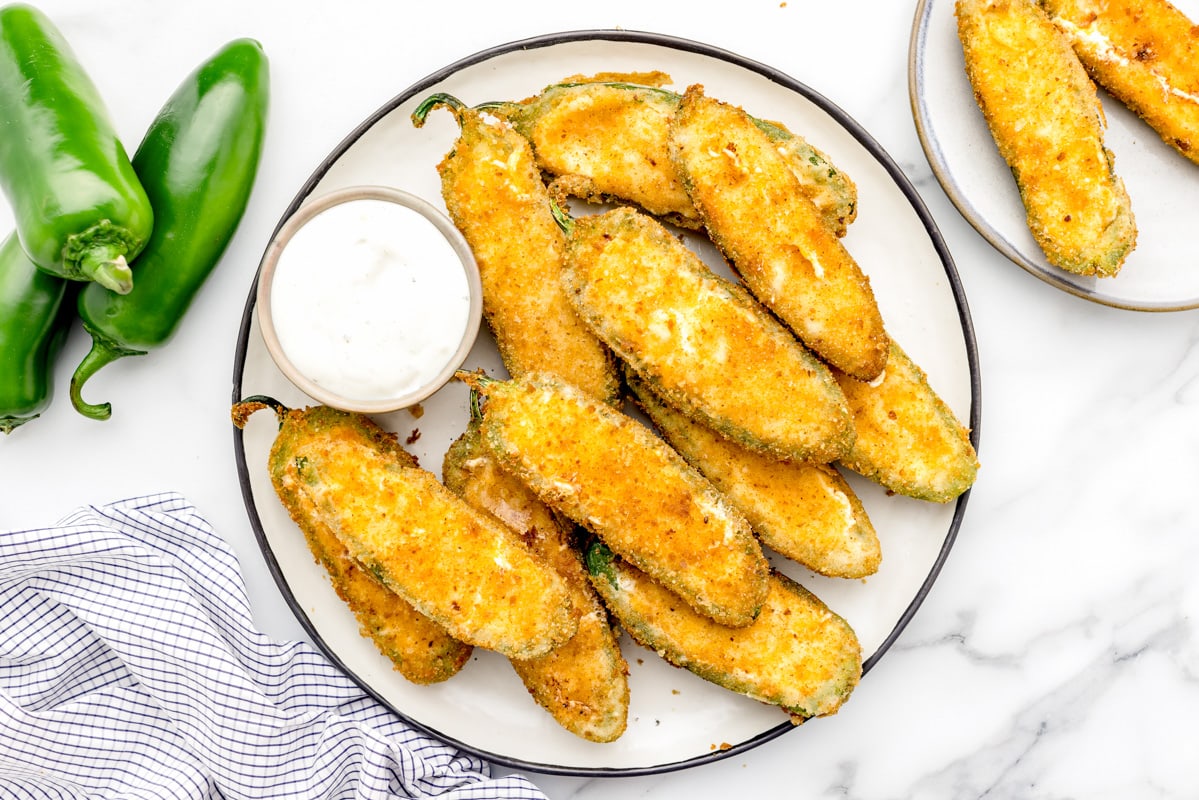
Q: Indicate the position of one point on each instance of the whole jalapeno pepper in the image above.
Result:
(80, 211)
(34, 318)
(197, 163)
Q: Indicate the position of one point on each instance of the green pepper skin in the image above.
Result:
(197, 163)
(80, 211)
(34, 319)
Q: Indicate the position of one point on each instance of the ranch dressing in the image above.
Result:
(369, 300)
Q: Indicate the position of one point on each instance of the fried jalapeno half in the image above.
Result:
(755, 212)
(607, 136)
(701, 341)
(797, 654)
(583, 683)
(799, 509)
(494, 194)
(421, 650)
(1146, 53)
(461, 568)
(611, 474)
(1044, 115)
(908, 439)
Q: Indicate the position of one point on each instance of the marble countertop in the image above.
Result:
(1056, 656)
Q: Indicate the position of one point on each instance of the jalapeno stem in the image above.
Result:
(565, 221)
(106, 265)
(476, 403)
(101, 354)
(598, 558)
(434, 101)
(477, 380)
(242, 410)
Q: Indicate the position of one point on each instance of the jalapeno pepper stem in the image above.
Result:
(105, 264)
(244, 408)
(268, 401)
(9, 424)
(101, 354)
(434, 101)
(477, 380)
(476, 403)
(565, 220)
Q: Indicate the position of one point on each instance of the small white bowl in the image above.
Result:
(349, 309)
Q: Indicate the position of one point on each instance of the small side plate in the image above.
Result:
(1161, 274)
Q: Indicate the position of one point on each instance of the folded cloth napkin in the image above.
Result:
(130, 668)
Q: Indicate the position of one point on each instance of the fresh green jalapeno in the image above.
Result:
(80, 211)
(33, 323)
(197, 163)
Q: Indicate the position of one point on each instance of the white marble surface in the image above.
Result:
(1058, 654)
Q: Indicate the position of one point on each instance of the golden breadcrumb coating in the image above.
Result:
(755, 212)
(800, 509)
(612, 475)
(495, 196)
(1044, 115)
(908, 439)
(461, 568)
(421, 650)
(1146, 54)
(702, 341)
(582, 683)
(607, 136)
(797, 654)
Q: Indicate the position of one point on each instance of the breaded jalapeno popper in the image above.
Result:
(908, 439)
(1045, 117)
(607, 137)
(754, 211)
(612, 475)
(582, 683)
(703, 343)
(804, 511)
(494, 194)
(461, 568)
(797, 654)
(1146, 53)
(421, 650)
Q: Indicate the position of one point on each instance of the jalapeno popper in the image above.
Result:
(457, 566)
(494, 194)
(908, 439)
(1146, 54)
(421, 650)
(804, 511)
(702, 342)
(612, 475)
(608, 136)
(582, 683)
(797, 654)
(755, 212)
(1044, 115)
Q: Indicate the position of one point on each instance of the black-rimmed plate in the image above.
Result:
(676, 719)
(1161, 274)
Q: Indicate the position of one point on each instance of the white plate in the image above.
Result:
(675, 719)
(1161, 274)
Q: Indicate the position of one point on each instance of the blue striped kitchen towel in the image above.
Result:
(130, 668)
